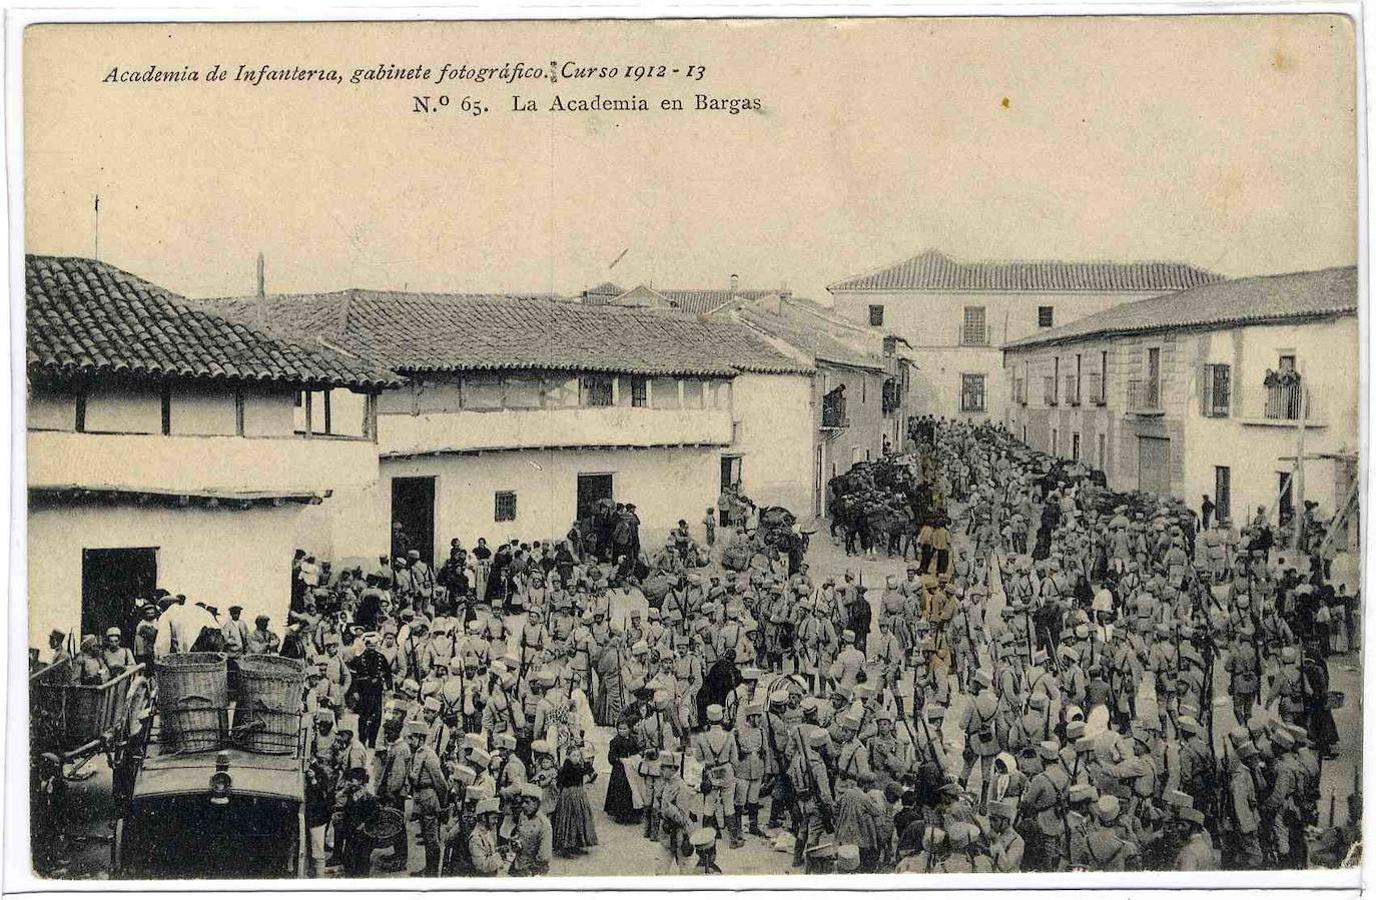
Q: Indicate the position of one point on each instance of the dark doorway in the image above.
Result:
(591, 489)
(730, 472)
(1286, 489)
(110, 582)
(413, 517)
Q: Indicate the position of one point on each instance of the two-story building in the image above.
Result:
(957, 314)
(860, 387)
(520, 413)
(1246, 390)
(167, 447)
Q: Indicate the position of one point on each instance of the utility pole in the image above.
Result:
(1299, 463)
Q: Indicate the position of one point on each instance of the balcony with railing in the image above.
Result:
(1094, 385)
(1072, 390)
(974, 335)
(1049, 390)
(1284, 400)
(834, 410)
(891, 396)
(1144, 397)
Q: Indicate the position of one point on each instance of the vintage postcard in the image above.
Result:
(520, 450)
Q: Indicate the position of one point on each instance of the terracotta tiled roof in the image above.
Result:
(415, 332)
(606, 289)
(1225, 304)
(705, 301)
(815, 333)
(933, 270)
(86, 317)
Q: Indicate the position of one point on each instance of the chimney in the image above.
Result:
(262, 286)
(735, 283)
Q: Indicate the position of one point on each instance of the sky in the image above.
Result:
(1226, 142)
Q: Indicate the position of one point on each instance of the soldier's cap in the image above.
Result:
(474, 793)
(324, 715)
(778, 696)
(654, 614)
(1049, 750)
(531, 792)
(488, 805)
(754, 709)
(332, 640)
(863, 691)
(750, 673)
(504, 741)
(818, 738)
(1188, 724)
(415, 728)
(1037, 702)
(1190, 814)
(847, 635)
(1107, 808)
(1082, 631)
(884, 715)
(1067, 653)
(1074, 730)
(850, 720)
(1002, 808)
(1177, 798)
(809, 704)
(714, 712)
(1288, 654)
(541, 746)
(465, 775)
(1283, 739)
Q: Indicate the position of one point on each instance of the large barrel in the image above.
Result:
(193, 697)
(267, 712)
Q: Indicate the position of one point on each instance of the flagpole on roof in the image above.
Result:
(96, 253)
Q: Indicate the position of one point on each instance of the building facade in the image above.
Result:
(956, 314)
(861, 389)
(170, 448)
(520, 413)
(1220, 390)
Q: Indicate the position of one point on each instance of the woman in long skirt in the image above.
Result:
(620, 804)
(572, 822)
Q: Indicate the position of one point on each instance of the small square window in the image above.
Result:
(1046, 316)
(505, 506)
(876, 314)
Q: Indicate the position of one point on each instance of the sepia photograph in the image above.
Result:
(511, 450)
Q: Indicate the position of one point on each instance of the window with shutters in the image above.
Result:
(638, 392)
(876, 314)
(1215, 392)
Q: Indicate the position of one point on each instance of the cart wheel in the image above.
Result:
(135, 705)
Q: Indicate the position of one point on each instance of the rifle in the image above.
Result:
(824, 809)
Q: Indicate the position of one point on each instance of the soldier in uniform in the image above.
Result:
(1243, 809)
(1105, 847)
(981, 739)
(393, 767)
(716, 750)
(1006, 846)
(811, 781)
(750, 766)
(428, 792)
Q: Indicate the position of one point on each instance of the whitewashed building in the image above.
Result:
(521, 412)
(957, 314)
(861, 389)
(1219, 390)
(167, 447)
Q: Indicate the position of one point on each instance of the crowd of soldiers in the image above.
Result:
(1037, 694)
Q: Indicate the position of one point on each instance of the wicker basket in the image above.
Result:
(193, 697)
(386, 827)
(267, 712)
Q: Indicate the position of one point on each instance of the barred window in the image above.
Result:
(505, 506)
